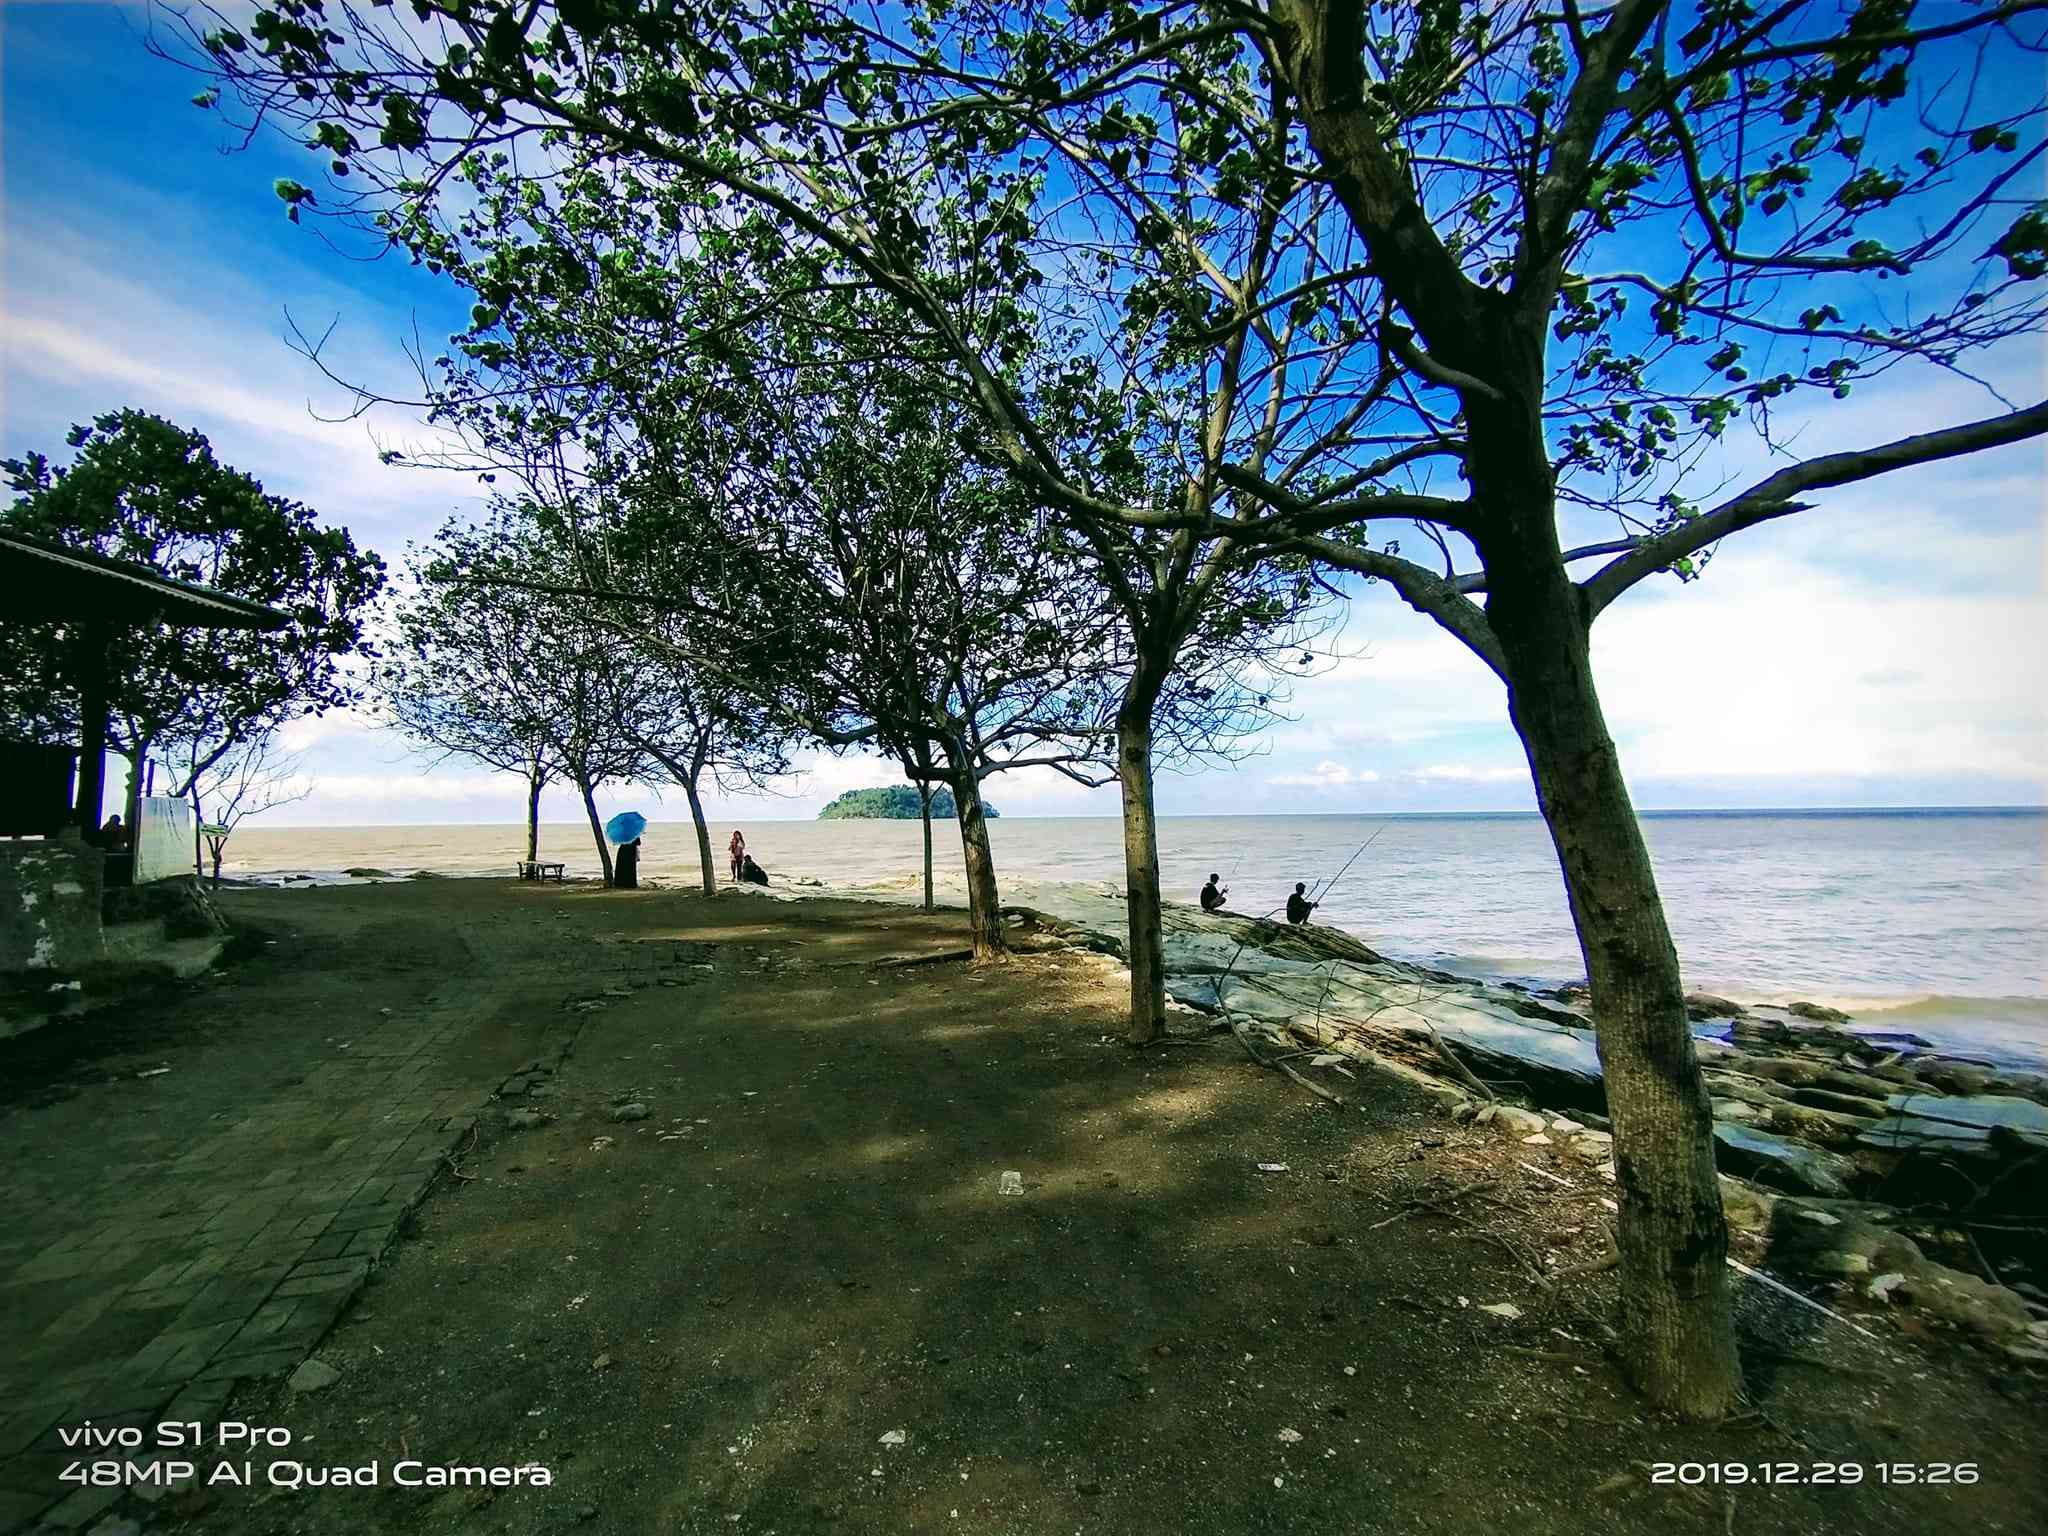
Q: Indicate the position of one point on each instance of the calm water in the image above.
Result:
(1938, 917)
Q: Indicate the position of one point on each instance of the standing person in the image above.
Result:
(113, 836)
(1299, 906)
(738, 849)
(626, 867)
(1213, 894)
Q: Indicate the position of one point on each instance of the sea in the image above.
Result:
(1930, 921)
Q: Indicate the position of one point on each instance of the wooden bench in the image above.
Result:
(538, 869)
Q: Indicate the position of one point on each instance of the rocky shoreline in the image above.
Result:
(1867, 1164)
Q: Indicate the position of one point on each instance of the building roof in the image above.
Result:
(41, 580)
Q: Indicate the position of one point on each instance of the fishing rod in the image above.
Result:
(1268, 916)
(1332, 885)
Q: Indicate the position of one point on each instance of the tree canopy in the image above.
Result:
(892, 802)
(140, 488)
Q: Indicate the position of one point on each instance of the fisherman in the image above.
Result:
(1298, 905)
(738, 849)
(1213, 894)
(626, 867)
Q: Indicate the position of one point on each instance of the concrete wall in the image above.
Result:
(49, 908)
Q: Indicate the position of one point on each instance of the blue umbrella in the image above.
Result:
(624, 827)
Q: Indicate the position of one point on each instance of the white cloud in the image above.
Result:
(442, 788)
(1327, 775)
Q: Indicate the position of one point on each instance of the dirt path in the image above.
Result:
(715, 1317)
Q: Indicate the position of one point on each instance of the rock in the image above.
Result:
(2027, 1354)
(1460, 1113)
(1538, 1140)
(1567, 1127)
(586, 1512)
(621, 1113)
(1956, 1077)
(1881, 1286)
(1747, 1208)
(1991, 1312)
(1590, 1151)
(1506, 1309)
(1816, 1012)
(1840, 1103)
(1918, 1122)
(313, 1376)
(360, 873)
(1704, 1005)
(1822, 1127)
(1516, 1121)
(601, 1363)
(1736, 1111)
(895, 1437)
(1289, 1437)
(523, 1119)
(1783, 1163)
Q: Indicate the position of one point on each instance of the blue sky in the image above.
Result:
(1883, 650)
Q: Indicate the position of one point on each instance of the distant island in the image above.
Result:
(896, 803)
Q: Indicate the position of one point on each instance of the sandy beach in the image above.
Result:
(725, 1247)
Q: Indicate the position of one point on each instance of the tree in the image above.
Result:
(868, 585)
(1500, 278)
(250, 778)
(503, 675)
(145, 490)
(688, 725)
(449, 680)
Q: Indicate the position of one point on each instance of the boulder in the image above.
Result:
(1918, 1122)
(1841, 1103)
(1516, 1122)
(1781, 1162)
(1818, 1013)
(1700, 1006)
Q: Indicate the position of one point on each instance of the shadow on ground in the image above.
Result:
(719, 1317)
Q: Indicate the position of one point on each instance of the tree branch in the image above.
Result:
(1774, 497)
(1420, 588)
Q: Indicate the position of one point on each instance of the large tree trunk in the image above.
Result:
(924, 805)
(1147, 950)
(703, 834)
(984, 909)
(604, 852)
(535, 778)
(1678, 1332)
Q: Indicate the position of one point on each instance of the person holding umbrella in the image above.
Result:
(624, 830)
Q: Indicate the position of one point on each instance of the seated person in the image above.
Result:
(1299, 906)
(751, 872)
(1213, 894)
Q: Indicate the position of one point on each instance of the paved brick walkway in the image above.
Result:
(163, 1245)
